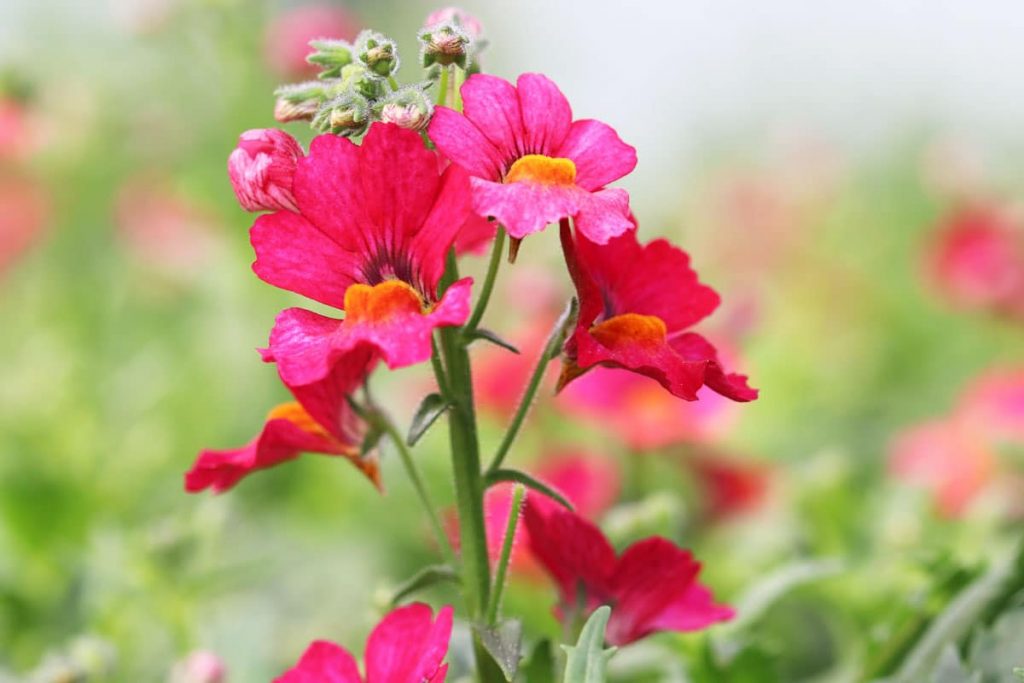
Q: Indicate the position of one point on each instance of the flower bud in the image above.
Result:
(358, 78)
(409, 108)
(262, 169)
(330, 55)
(199, 667)
(453, 15)
(377, 53)
(299, 102)
(347, 114)
(444, 44)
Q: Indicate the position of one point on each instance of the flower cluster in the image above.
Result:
(372, 221)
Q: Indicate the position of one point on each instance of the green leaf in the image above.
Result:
(431, 408)
(753, 604)
(504, 642)
(370, 441)
(999, 649)
(952, 670)
(541, 666)
(529, 482)
(588, 659)
(425, 578)
(487, 335)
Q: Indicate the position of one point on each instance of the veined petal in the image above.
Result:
(604, 214)
(445, 222)
(492, 104)
(294, 254)
(692, 610)
(601, 157)
(323, 662)
(409, 645)
(524, 207)
(545, 111)
(694, 348)
(329, 193)
(462, 142)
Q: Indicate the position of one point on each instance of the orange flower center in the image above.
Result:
(630, 329)
(537, 168)
(297, 415)
(372, 303)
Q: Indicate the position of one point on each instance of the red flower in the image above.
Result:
(651, 587)
(286, 44)
(319, 421)
(976, 261)
(407, 646)
(262, 170)
(531, 163)
(636, 303)
(727, 485)
(24, 212)
(370, 237)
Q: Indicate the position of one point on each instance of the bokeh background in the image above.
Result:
(848, 177)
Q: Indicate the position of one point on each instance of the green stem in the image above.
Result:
(489, 279)
(421, 489)
(506, 553)
(551, 349)
(442, 87)
(393, 83)
(439, 372)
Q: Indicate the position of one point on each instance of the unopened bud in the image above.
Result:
(461, 18)
(299, 102)
(408, 108)
(378, 53)
(347, 114)
(444, 44)
(358, 78)
(262, 169)
(330, 55)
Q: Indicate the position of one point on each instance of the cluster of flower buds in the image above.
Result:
(450, 36)
(354, 88)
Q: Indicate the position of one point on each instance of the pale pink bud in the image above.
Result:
(199, 667)
(262, 169)
(464, 20)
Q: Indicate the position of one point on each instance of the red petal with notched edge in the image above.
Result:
(323, 662)
(409, 645)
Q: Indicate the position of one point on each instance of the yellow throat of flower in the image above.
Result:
(630, 329)
(371, 303)
(544, 170)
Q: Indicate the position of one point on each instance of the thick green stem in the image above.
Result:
(489, 279)
(421, 489)
(442, 87)
(506, 553)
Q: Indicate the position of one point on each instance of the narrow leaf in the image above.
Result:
(588, 659)
(541, 667)
(371, 440)
(425, 578)
(431, 408)
(504, 642)
(487, 335)
(529, 482)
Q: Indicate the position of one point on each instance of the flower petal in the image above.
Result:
(692, 348)
(409, 645)
(524, 207)
(294, 254)
(545, 111)
(462, 142)
(604, 214)
(323, 662)
(694, 610)
(445, 222)
(492, 104)
(329, 192)
(601, 157)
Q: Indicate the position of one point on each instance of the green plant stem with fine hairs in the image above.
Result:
(489, 279)
(506, 553)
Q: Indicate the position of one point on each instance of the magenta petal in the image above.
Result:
(604, 214)
(693, 610)
(446, 221)
(326, 401)
(408, 645)
(323, 662)
(693, 348)
(601, 157)
(305, 345)
(492, 105)
(524, 207)
(294, 254)
(546, 113)
(462, 142)
(329, 192)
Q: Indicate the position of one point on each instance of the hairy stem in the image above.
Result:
(506, 553)
(489, 279)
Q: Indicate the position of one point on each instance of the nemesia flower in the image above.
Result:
(407, 646)
(993, 404)
(200, 666)
(320, 420)
(727, 485)
(262, 169)
(531, 163)
(375, 222)
(976, 260)
(643, 415)
(24, 212)
(945, 458)
(651, 587)
(15, 134)
(636, 303)
(286, 43)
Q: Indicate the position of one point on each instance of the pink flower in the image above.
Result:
(651, 587)
(407, 646)
(24, 212)
(320, 420)
(199, 667)
(531, 163)
(262, 170)
(463, 19)
(370, 237)
(993, 405)
(500, 376)
(639, 410)
(15, 130)
(636, 304)
(976, 261)
(945, 458)
(728, 486)
(286, 43)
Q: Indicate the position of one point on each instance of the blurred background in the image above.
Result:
(848, 177)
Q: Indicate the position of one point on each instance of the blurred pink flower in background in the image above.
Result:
(500, 376)
(953, 168)
(993, 404)
(16, 134)
(975, 260)
(163, 229)
(24, 211)
(728, 485)
(200, 666)
(470, 24)
(286, 43)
